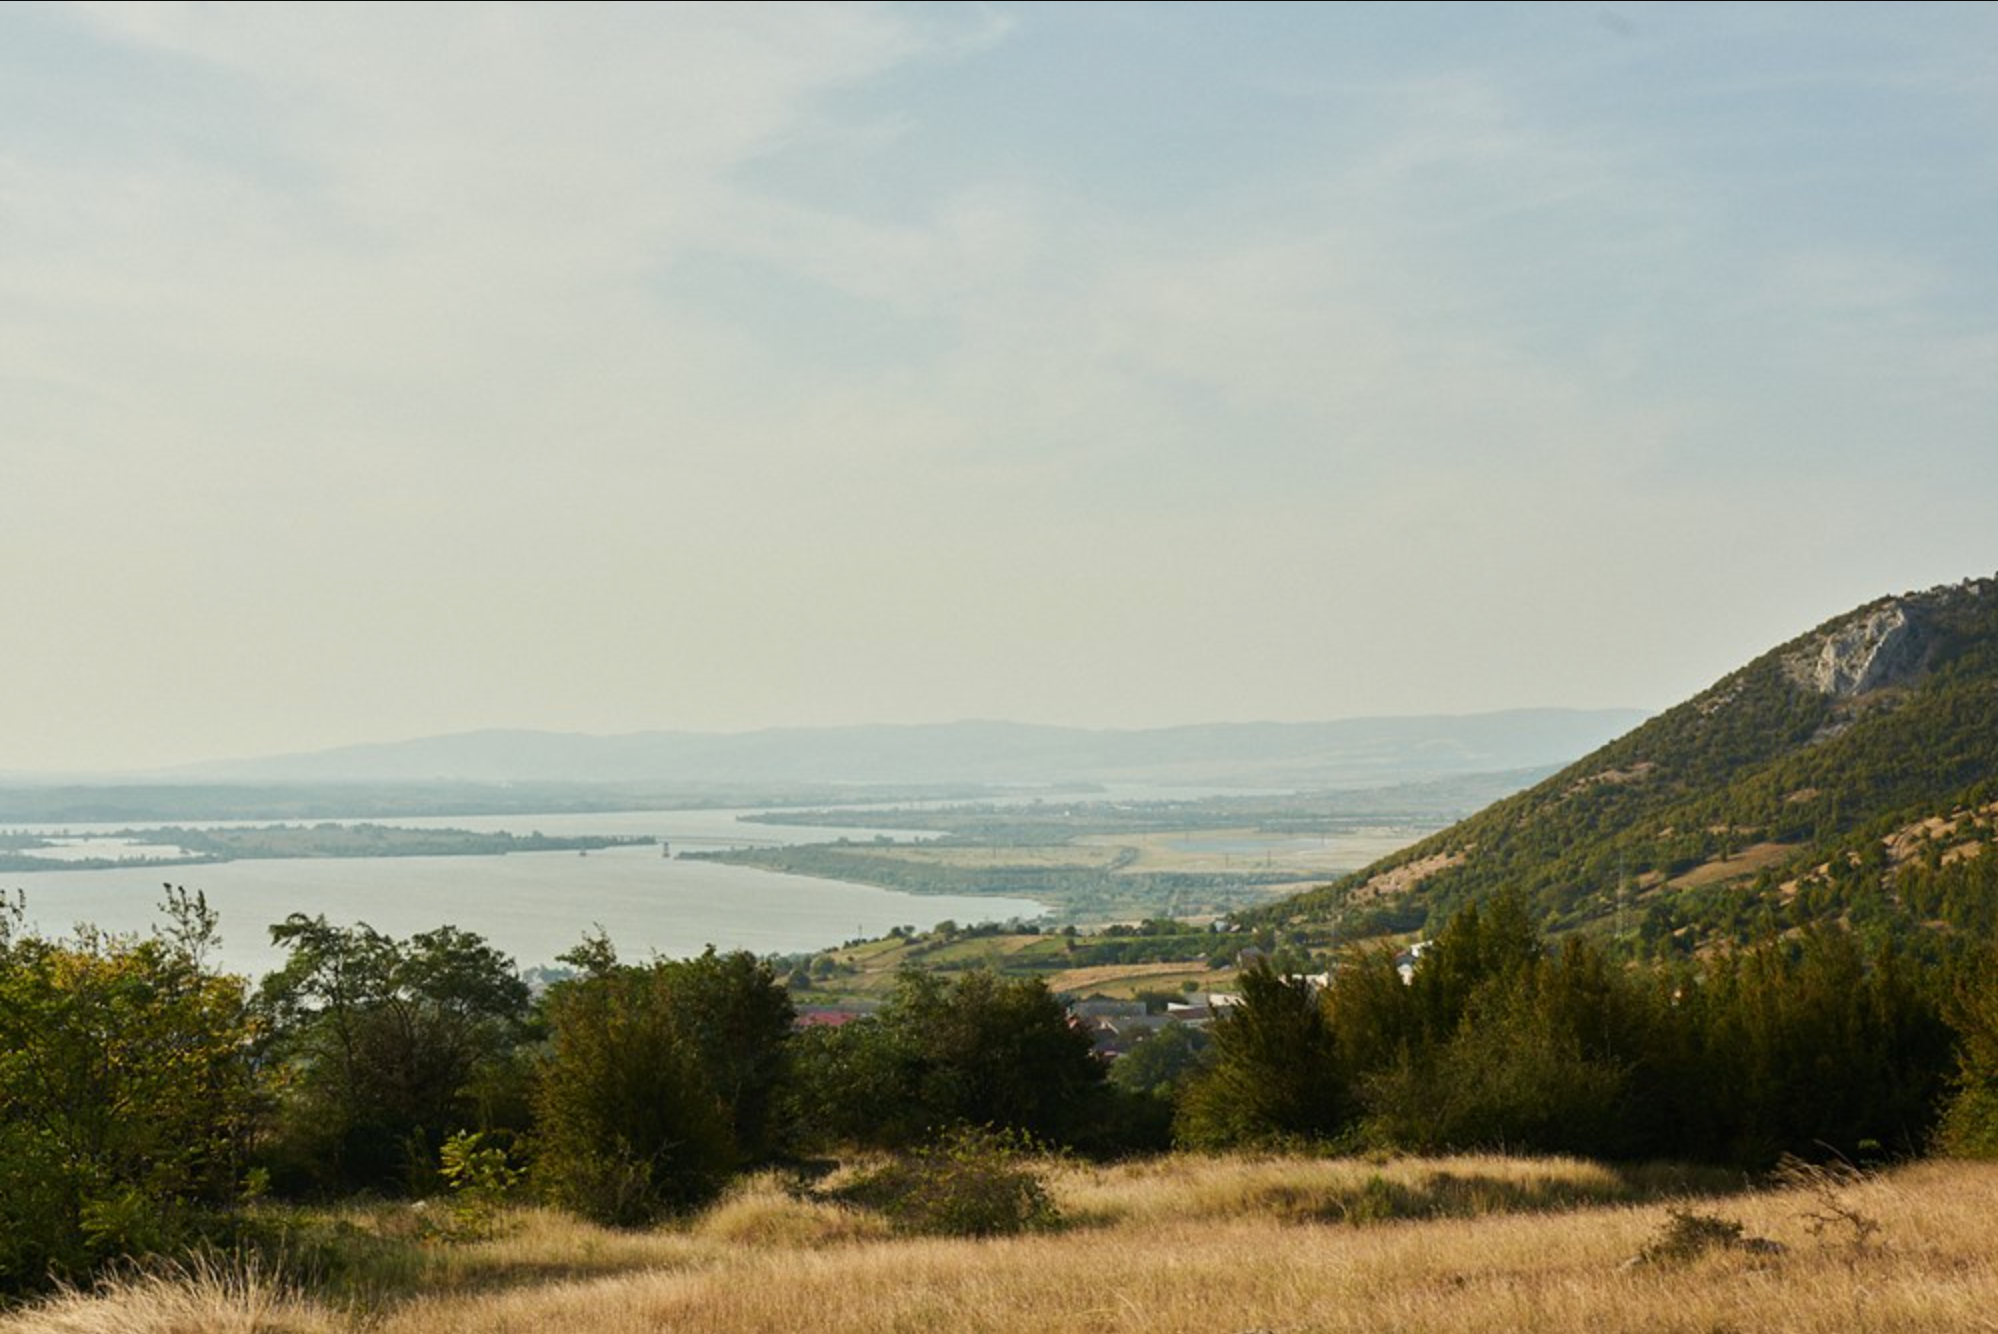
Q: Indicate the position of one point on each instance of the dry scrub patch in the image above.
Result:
(1293, 1189)
(1747, 862)
(1931, 1270)
(1400, 880)
(1079, 856)
(1195, 1246)
(1103, 976)
(766, 1211)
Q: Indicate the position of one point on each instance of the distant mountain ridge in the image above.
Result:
(1850, 774)
(1349, 753)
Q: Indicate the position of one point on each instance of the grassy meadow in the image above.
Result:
(1177, 1245)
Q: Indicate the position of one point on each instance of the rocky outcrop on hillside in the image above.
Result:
(1876, 648)
(1886, 713)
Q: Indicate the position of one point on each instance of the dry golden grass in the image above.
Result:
(542, 1246)
(1107, 978)
(1933, 1269)
(1026, 856)
(763, 1212)
(1177, 850)
(200, 1299)
(1198, 1246)
(1290, 1189)
(1747, 862)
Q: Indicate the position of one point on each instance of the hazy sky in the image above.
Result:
(375, 371)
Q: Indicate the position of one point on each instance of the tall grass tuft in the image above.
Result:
(202, 1296)
(765, 1211)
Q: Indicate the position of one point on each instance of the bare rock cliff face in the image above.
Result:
(1880, 647)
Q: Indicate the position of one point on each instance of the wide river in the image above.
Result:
(531, 905)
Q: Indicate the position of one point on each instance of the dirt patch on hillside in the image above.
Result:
(1398, 881)
(1751, 859)
(1635, 773)
(1959, 826)
(1103, 975)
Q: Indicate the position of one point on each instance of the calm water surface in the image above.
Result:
(531, 905)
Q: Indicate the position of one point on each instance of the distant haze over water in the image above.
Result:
(533, 906)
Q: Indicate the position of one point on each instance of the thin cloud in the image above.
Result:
(372, 371)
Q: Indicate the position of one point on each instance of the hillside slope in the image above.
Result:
(1851, 772)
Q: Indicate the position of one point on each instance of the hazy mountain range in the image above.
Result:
(1351, 753)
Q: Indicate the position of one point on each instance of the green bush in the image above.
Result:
(1686, 1236)
(970, 1183)
(479, 1178)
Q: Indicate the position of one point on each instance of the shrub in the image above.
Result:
(770, 1211)
(1686, 1236)
(479, 1178)
(1380, 1200)
(1831, 1217)
(970, 1183)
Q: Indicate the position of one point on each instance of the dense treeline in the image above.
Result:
(1082, 892)
(188, 847)
(1804, 1044)
(144, 1097)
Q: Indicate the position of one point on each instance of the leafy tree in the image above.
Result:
(738, 1017)
(629, 1127)
(982, 1050)
(125, 1091)
(1160, 1064)
(1495, 941)
(1970, 1127)
(1275, 1072)
(659, 1081)
(1801, 1044)
(383, 1047)
(1371, 1010)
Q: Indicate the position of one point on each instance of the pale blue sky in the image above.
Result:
(375, 371)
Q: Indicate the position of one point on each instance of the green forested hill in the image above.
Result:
(1849, 773)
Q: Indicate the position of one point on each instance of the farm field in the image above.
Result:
(1101, 862)
(866, 971)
